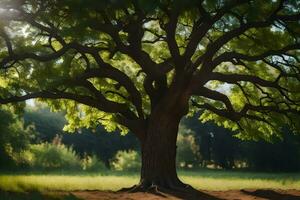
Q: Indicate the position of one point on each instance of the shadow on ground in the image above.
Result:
(193, 194)
(270, 194)
(34, 195)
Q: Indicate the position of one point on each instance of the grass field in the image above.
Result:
(202, 179)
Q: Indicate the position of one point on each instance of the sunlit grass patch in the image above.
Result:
(66, 183)
(237, 183)
(229, 180)
(205, 180)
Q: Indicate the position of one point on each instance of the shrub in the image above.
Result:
(126, 161)
(51, 156)
(92, 164)
(56, 156)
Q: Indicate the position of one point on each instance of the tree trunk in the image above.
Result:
(159, 146)
(159, 154)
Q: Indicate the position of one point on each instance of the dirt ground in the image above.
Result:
(202, 195)
(197, 195)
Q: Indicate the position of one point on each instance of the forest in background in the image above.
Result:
(37, 142)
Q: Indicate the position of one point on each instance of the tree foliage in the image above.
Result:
(14, 137)
(115, 62)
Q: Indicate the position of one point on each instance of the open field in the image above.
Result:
(203, 180)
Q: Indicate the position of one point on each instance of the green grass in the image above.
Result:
(202, 179)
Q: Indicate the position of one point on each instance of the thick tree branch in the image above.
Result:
(170, 29)
(214, 95)
(234, 78)
(86, 100)
(229, 56)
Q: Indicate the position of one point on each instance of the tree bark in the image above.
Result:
(159, 146)
(159, 153)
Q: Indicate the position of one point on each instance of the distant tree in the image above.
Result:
(14, 137)
(47, 124)
(216, 144)
(282, 155)
(142, 65)
(188, 154)
(224, 147)
(91, 141)
(99, 142)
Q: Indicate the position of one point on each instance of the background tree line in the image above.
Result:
(40, 133)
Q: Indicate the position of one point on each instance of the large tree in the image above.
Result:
(142, 65)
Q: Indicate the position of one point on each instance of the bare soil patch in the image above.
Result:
(199, 195)
(202, 195)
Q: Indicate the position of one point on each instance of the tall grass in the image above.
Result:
(204, 180)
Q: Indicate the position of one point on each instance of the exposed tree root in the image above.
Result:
(161, 188)
(153, 189)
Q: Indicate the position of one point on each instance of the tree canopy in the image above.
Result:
(119, 58)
